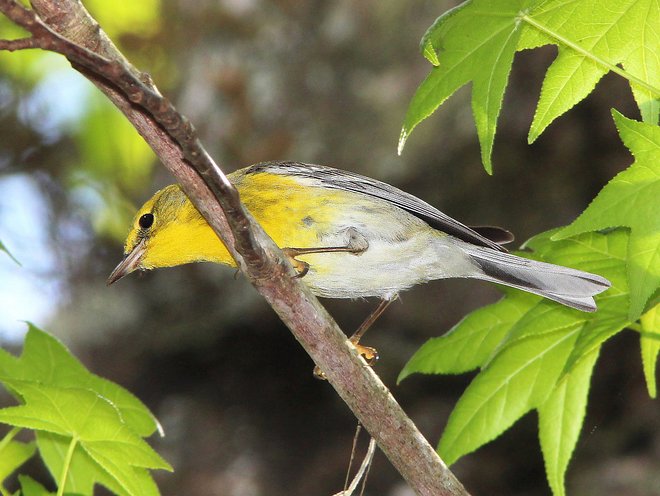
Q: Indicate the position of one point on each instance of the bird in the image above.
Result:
(347, 236)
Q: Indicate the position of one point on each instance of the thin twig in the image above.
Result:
(358, 428)
(19, 44)
(362, 471)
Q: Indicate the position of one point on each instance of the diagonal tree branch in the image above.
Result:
(65, 27)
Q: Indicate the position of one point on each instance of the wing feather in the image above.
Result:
(330, 177)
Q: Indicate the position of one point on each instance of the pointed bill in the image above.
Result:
(130, 263)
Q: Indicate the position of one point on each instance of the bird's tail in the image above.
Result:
(570, 287)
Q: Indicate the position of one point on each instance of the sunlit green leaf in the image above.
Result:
(594, 36)
(601, 254)
(85, 471)
(632, 199)
(476, 42)
(30, 487)
(545, 347)
(94, 424)
(468, 345)
(46, 361)
(560, 421)
(650, 345)
(65, 403)
(13, 454)
(519, 378)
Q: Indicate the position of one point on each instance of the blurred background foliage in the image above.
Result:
(315, 81)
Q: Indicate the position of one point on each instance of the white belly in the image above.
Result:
(393, 261)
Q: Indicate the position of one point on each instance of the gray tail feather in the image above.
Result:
(570, 287)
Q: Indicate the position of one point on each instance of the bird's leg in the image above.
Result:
(368, 353)
(356, 245)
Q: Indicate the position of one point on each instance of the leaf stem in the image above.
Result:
(67, 464)
(595, 58)
(634, 326)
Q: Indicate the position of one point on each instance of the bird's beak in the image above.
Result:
(130, 263)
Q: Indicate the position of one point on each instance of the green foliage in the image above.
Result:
(13, 454)
(632, 199)
(560, 420)
(650, 346)
(89, 430)
(30, 487)
(540, 357)
(533, 354)
(476, 42)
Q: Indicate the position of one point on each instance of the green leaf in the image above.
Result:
(534, 350)
(4, 249)
(65, 403)
(632, 199)
(468, 344)
(593, 37)
(30, 487)
(519, 378)
(86, 471)
(601, 254)
(650, 346)
(94, 424)
(13, 454)
(560, 421)
(46, 361)
(474, 42)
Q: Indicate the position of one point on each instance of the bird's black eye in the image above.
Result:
(146, 221)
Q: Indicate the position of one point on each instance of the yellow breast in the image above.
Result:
(294, 214)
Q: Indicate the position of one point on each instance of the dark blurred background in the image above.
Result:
(321, 82)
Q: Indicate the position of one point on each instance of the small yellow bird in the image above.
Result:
(348, 236)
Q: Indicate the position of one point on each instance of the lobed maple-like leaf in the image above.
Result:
(632, 199)
(476, 42)
(47, 361)
(92, 425)
(87, 427)
(541, 354)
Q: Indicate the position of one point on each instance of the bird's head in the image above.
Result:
(168, 230)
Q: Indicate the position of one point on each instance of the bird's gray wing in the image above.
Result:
(330, 177)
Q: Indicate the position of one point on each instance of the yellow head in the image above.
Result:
(168, 230)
